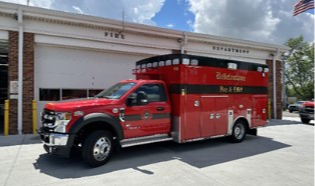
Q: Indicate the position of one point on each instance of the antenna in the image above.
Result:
(123, 22)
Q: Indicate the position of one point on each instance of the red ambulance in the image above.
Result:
(174, 97)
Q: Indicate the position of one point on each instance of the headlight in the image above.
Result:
(62, 120)
(63, 115)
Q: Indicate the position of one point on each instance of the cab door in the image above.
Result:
(150, 118)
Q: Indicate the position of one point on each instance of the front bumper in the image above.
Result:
(56, 143)
(54, 139)
(307, 115)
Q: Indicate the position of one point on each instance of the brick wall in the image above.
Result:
(28, 80)
(13, 76)
(278, 88)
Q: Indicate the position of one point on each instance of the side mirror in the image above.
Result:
(131, 99)
(142, 98)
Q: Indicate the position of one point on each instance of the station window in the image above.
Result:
(74, 93)
(49, 94)
(94, 92)
(65, 94)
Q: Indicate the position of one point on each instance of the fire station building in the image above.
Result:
(49, 55)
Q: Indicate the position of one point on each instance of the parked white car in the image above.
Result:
(295, 106)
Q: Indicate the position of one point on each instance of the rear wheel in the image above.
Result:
(239, 132)
(97, 148)
(305, 121)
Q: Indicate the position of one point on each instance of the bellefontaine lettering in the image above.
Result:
(224, 76)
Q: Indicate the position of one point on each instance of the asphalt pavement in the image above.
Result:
(281, 155)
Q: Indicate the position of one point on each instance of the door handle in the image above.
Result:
(211, 116)
(160, 108)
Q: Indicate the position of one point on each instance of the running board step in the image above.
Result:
(145, 140)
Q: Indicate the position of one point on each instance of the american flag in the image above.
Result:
(302, 6)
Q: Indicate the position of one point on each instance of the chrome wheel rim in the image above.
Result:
(239, 131)
(101, 149)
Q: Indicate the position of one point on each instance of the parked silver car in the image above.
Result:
(295, 106)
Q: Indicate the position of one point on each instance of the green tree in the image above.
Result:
(299, 69)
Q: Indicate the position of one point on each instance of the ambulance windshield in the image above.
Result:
(116, 91)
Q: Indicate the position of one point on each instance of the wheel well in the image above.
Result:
(244, 120)
(91, 127)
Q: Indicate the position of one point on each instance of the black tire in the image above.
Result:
(239, 132)
(290, 111)
(97, 148)
(305, 121)
(46, 148)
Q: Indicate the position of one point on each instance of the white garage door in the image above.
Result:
(62, 73)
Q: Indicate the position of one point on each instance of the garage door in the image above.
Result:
(64, 73)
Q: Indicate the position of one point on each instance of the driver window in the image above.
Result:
(155, 92)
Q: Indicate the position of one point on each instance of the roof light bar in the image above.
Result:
(194, 62)
(161, 64)
(186, 61)
(168, 62)
(232, 66)
(175, 61)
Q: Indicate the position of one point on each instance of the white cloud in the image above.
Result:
(38, 3)
(308, 25)
(144, 10)
(138, 11)
(78, 9)
(261, 20)
(170, 25)
(190, 23)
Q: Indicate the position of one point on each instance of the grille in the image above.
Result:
(309, 109)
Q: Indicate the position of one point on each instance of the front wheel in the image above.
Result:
(97, 148)
(305, 121)
(239, 132)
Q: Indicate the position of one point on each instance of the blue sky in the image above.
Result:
(310, 11)
(269, 21)
(175, 15)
